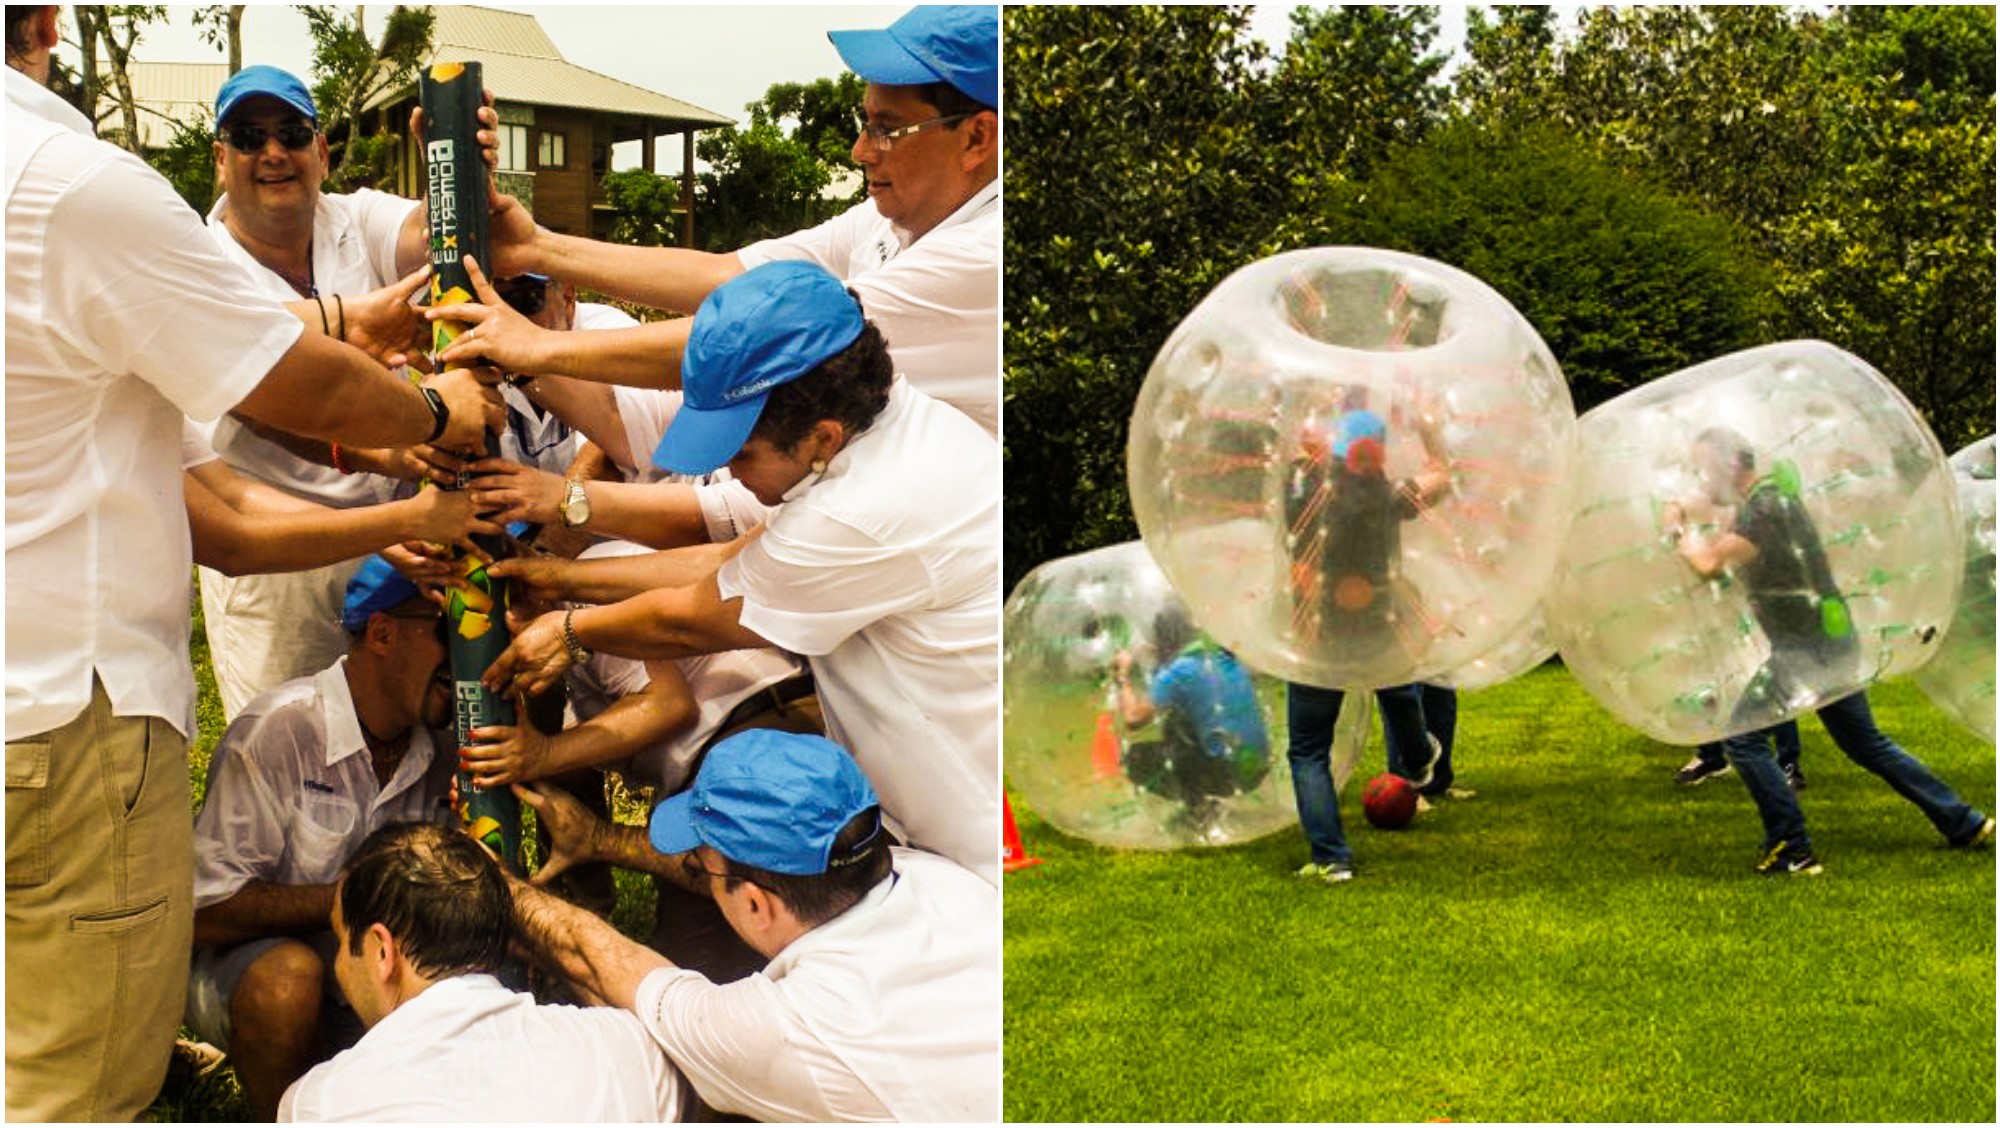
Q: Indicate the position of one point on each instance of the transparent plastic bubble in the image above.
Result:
(1354, 465)
(1806, 455)
(1959, 680)
(1525, 652)
(1207, 769)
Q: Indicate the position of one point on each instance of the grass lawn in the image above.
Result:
(218, 1097)
(1583, 940)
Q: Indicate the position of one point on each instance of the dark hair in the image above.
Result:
(851, 387)
(437, 892)
(860, 860)
(950, 100)
(21, 41)
(1731, 445)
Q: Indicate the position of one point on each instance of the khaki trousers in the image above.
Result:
(100, 916)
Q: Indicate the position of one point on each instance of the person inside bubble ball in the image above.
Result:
(1344, 519)
(1212, 743)
(1773, 549)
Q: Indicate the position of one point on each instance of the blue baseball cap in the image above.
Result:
(1356, 426)
(376, 587)
(774, 800)
(954, 43)
(765, 327)
(282, 85)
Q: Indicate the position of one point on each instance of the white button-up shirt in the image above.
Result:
(468, 1050)
(292, 790)
(885, 574)
(889, 1011)
(936, 298)
(122, 317)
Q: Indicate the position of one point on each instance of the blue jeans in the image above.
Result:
(1310, 714)
(1784, 738)
(1852, 726)
(1439, 705)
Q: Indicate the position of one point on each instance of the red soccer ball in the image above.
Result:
(1389, 801)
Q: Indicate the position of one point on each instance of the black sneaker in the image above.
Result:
(1791, 861)
(1980, 837)
(1428, 772)
(1795, 777)
(1699, 770)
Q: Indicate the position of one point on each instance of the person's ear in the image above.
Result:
(827, 437)
(379, 952)
(48, 27)
(982, 140)
(380, 633)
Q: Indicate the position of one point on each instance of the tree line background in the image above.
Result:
(769, 178)
(1651, 187)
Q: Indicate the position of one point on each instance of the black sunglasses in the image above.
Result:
(251, 138)
(526, 293)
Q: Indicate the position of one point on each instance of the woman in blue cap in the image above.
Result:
(880, 565)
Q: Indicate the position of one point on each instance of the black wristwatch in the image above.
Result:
(440, 414)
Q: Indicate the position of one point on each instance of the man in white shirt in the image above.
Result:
(326, 248)
(305, 772)
(420, 925)
(880, 566)
(122, 321)
(923, 252)
(882, 997)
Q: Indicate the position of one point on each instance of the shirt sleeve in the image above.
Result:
(729, 509)
(239, 836)
(380, 217)
(145, 291)
(827, 244)
(728, 1040)
(812, 581)
(196, 450)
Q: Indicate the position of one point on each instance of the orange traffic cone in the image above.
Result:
(1104, 750)
(1013, 855)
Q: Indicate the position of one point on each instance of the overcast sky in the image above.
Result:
(718, 58)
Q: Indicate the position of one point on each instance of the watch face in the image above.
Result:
(576, 507)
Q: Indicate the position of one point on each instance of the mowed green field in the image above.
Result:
(1583, 940)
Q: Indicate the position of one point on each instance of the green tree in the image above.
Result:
(188, 162)
(222, 27)
(768, 179)
(1355, 80)
(1137, 178)
(349, 70)
(643, 207)
(116, 29)
(1623, 280)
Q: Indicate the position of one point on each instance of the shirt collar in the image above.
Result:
(343, 726)
(975, 205)
(42, 102)
(897, 407)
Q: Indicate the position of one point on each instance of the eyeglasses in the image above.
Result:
(527, 293)
(885, 139)
(250, 138)
(691, 866)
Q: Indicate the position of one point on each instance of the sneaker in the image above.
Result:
(1424, 774)
(1423, 803)
(1786, 859)
(1981, 837)
(1456, 794)
(192, 1061)
(1332, 873)
(1699, 770)
(1795, 777)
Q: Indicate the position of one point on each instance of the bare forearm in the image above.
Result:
(262, 909)
(297, 540)
(678, 622)
(587, 406)
(632, 723)
(644, 356)
(662, 277)
(582, 947)
(658, 515)
(325, 390)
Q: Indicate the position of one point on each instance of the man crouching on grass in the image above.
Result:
(882, 997)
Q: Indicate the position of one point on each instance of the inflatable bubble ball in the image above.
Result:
(1515, 657)
(1959, 681)
(1353, 465)
(1126, 725)
(1753, 537)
